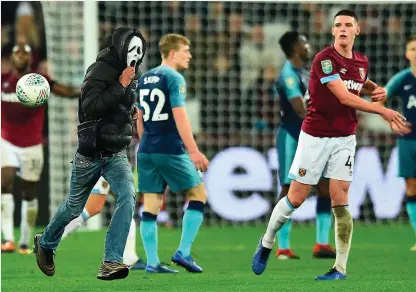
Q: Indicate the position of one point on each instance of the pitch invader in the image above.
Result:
(168, 154)
(22, 151)
(95, 205)
(327, 141)
(291, 87)
(403, 85)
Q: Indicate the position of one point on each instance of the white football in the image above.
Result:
(33, 90)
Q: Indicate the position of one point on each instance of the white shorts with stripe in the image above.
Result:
(331, 157)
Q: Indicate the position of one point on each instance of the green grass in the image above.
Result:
(380, 260)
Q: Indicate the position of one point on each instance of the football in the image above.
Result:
(33, 90)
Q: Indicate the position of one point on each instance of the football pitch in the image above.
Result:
(380, 260)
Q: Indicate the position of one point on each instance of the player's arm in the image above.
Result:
(184, 128)
(139, 123)
(326, 69)
(185, 131)
(338, 88)
(298, 106)
(177, 92)
(65, 91)
(294, 94)
(368, 87)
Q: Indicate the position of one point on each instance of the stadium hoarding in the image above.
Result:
(384, 188)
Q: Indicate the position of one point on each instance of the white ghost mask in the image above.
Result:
(135, 51)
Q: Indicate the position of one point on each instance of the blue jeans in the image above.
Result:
(85, 174)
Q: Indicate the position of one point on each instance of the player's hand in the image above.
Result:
(401, 130)
(200, 161)
(127, 76)
(393, 116)
(135, 113)
(379, 94)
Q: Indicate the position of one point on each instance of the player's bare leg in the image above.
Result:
(148, 231)
(94, 206)
(192, 220)
(283, 236)
(281, 214)
(322, 248)
(343, 228)
(8, 175)
(29, 213)
(411, 203)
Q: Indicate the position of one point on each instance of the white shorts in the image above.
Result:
(329, 157)
(101, 187)
(28, 160)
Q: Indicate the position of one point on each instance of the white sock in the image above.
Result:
(343, 235)
(280, 215)
(29, 212)
(130, 256)
(163, 217)
(76, 223)
(7, 213)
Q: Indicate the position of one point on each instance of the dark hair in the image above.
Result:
(288, 42)
(411, 38)
(347, 12)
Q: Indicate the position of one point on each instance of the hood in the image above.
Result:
(120, 42)
(109, 55)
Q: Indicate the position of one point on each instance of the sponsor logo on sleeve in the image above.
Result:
(326, 66)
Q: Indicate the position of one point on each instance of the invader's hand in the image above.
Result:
(126, 76)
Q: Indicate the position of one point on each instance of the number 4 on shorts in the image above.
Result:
(348, 163)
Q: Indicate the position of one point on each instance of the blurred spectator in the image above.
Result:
(196, 74)
(255, 54)
(217, 17)
(216, 99)
(265, 100)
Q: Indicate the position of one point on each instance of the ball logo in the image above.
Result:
(21, 95)
(34, 80)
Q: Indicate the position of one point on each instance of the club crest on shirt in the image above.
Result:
(290, 82)
(326, 66)
(104, 184)
(362, 73)
(302, 171)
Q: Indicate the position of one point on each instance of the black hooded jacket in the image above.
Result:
(104, 98)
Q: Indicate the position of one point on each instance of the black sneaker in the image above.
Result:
(112, 271)
(44, 257)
